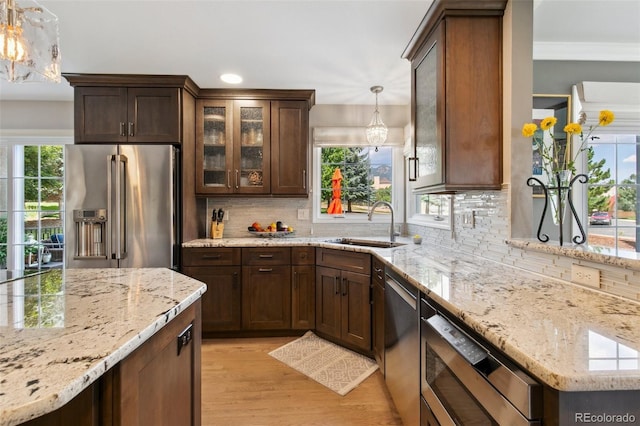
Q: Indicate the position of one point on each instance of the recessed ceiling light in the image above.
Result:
(231, 78)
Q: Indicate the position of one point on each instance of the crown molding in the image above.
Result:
(581, 51)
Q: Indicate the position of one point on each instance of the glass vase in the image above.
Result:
(558, 194)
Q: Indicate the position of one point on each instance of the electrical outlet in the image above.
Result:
(469, 219)
(303, 214)
(585, 275)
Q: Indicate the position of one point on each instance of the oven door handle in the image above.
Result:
(477, 385)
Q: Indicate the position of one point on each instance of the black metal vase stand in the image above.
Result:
(561, 191)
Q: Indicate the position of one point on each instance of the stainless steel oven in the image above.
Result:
(464, 382)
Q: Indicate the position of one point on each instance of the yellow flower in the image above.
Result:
(529, 129)
(573, 129)
(606, 117)
(548, 122)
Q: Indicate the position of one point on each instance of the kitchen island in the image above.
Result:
(63, 332)
(582, 344)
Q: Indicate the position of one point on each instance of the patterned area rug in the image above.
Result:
(333, 366)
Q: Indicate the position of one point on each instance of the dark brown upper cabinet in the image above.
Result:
(128, 108)
(252, 142)
(456, 105)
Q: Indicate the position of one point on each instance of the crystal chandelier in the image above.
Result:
(28, 42)
(376, 130)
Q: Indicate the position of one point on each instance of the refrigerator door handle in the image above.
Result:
(121, 163)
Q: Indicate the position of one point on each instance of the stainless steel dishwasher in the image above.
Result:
(402, 347)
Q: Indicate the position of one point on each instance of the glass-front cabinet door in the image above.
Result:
(214, 149)
(252, 139)
(233, 147)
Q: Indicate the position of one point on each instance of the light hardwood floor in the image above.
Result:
(243, 385)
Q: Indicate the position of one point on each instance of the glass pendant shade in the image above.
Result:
(376, 130)
(28, 42)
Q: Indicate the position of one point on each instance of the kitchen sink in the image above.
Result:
(367, 243)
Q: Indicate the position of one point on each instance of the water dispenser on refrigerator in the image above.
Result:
(90, 233)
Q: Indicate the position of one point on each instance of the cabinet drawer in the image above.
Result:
(266, 256)
(344, 260)
(303, 255)
(210, 256)
(377, 271)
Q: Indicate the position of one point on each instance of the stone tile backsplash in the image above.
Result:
(487, 238)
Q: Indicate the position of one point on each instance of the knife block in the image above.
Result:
(217, 230)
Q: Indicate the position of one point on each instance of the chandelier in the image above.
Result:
(376, 130)
(28, 42)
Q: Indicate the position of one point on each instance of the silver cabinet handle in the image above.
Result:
(131, 128)
(237, 184)
(265, 256)
(122, 131)
(229, 179)
(304, 179)
(265, 270)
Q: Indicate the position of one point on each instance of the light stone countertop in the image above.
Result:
(60, 331)
(570, 337)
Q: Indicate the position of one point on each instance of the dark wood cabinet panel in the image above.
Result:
(131, 108)
(153, 115)
(221, 307)
(456, 108)
(211, 256)
(303, 297)
(328, 301)
(266, 297)
(343, 305)
(344, 260)
(220, 269)
(127, 115)
(289, 147)
(356, 309)
(303, 255)
(159, 385)
(266, 256)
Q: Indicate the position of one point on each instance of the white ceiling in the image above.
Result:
(339, 48)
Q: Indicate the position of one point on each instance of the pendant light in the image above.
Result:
(376, 130)
(28, 42)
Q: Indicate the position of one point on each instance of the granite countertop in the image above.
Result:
(61, 330)
(570, 337)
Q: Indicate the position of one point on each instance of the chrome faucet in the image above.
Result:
(392, 234)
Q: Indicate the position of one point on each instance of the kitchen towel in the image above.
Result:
(333, 366)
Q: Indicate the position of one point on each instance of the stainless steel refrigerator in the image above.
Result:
(121, 206)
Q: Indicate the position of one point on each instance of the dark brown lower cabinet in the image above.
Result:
(266, 297)
(303, 297)
(343, 308)
(221, 310)
(154, 385)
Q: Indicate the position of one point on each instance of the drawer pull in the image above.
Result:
(265, 270)
(266, 256)
(212, 256)
(185, 337)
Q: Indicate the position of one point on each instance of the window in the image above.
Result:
(430, 209)
(31, 206)
(613, 191)
(367, 176)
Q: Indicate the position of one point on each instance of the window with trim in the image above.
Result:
(31, 206)
(430, 209)
(367, 176)
(612, 192)
(352, 178)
